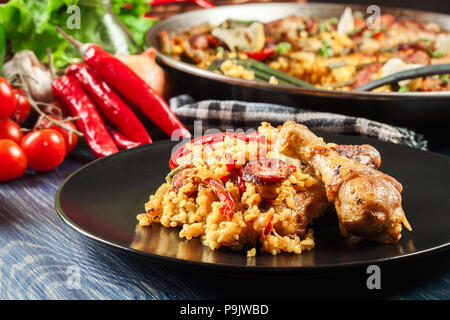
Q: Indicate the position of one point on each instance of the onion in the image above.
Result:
(242, 38)
(443, 43)
(395, 65)
(346, 23)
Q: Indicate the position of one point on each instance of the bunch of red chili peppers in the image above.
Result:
(104, 94)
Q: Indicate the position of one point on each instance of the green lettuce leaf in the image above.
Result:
(29, 24)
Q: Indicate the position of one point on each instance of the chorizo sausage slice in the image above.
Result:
(184, 177)
(365, 75)
(266, 171)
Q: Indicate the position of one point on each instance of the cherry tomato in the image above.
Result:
(7, 99)
(10, 130)
(45, 149)
(71, 142)
(22, 107)
(13, 161)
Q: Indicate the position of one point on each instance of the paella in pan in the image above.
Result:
(333, 53)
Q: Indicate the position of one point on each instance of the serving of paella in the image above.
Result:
(336, 53)
(264, 189)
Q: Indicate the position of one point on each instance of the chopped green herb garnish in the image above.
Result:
(334, 20)
(283, 47)
(300, 28)
(326, 50)
(220, 50)
(437, 54)
(324, 27)
(403, 89)
(354, 31)
(445, 79)
(358, 14)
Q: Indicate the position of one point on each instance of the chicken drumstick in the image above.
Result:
(367, 201)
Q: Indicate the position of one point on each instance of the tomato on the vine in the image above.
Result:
(7, 99)
(10, 130)
(45, 149)
(13, 161)
(22, 107)
(71, 139)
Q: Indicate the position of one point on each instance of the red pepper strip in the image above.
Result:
(224, 196)
(230, 163)
(123, 142)
(71, 95)
(202, 3)
(255, 136)
(116, 112)
(269, 226)
(135, 90)
(208, 139)
(262, 55)
(377, 35)
(240, 182)
(260, 139)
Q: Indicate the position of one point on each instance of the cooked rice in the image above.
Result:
(200, 215)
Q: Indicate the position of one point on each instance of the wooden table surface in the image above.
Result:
(40, 256)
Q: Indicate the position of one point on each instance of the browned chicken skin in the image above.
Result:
(313, 202)
(309, 205)
(364, 154)
(368, 202)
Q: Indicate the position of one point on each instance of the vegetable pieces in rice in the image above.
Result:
(273, 214)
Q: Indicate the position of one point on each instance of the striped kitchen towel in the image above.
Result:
(228, 114)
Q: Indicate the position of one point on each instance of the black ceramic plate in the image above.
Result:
(101, 201)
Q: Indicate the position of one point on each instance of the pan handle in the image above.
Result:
(404, 75)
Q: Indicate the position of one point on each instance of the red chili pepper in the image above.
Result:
(240, 182)
(135, 90)
(123, 142)
(230, 163)
(130, 86)
(261, 140)
(116, 112)
(71, 95)
(224, 196)
(255, 136)
(377, 34)
(262, 55)
(269, 226)
(208, 139)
